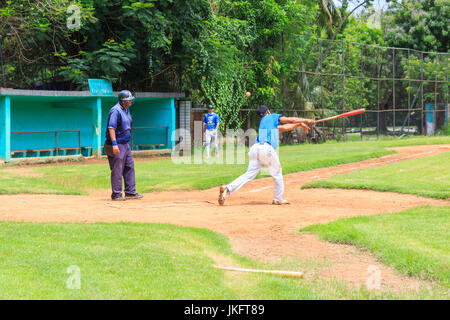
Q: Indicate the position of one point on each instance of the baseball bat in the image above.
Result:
(276, 272)
(343, 115)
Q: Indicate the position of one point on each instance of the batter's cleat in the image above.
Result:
(118, 199)
(280, 202)
(223, 195)
(133, 196)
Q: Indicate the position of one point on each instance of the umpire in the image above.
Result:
(117, 147)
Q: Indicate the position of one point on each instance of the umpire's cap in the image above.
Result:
(125, 95)
(262, 109)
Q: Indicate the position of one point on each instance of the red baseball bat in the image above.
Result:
(343, 115)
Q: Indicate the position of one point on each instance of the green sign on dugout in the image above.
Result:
(100, 87)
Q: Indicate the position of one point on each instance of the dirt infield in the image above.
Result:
(255, 228)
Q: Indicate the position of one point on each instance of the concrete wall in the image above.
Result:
(48, 116)
(160, 113)
(147, 113)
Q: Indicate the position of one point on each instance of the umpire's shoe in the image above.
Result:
(118, 199)
(133, 196)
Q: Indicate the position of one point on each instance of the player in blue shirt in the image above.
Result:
(263, 153)
(211, 123)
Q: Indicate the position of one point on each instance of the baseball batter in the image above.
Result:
(211, 124)
(263, 153)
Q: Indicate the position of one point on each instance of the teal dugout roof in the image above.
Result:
(54, 96)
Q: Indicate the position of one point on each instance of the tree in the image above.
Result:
(329, 16)
(219, 73)
(35, 33)
(250, 45)
(140, 45)
(421, 25)
(418, 24)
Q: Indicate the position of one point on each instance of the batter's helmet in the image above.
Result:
(261, 111)
(125, 95)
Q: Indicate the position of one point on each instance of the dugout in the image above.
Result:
(39, 124)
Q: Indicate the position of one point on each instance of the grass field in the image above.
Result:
(165, 175)
(416, 241)
(148, 261)
(428, 177)
(153, 261)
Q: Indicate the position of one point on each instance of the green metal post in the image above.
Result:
(343, 88)
(361, 93)
(421, 93)
(5, 128)
(378, 96)
(393, 91)
(97, 127)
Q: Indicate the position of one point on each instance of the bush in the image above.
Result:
(445, 130)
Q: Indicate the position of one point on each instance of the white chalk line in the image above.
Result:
(172, 204)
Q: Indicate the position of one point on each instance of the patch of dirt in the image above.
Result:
(255, 228)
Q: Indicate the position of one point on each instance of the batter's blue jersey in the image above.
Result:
(211, 120)
(268, 129)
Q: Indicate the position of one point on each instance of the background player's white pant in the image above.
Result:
(209, 135)
(261, 154)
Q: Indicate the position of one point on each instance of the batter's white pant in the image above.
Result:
(261, 154)
(209, 135)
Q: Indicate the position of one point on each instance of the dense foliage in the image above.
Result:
(418, 24)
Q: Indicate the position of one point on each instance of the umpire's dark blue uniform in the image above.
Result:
(122, 165)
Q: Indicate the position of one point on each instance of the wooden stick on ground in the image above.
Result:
(276, 272)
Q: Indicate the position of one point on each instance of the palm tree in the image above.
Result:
(329, 16)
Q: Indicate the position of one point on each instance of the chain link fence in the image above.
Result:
(404, 91)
